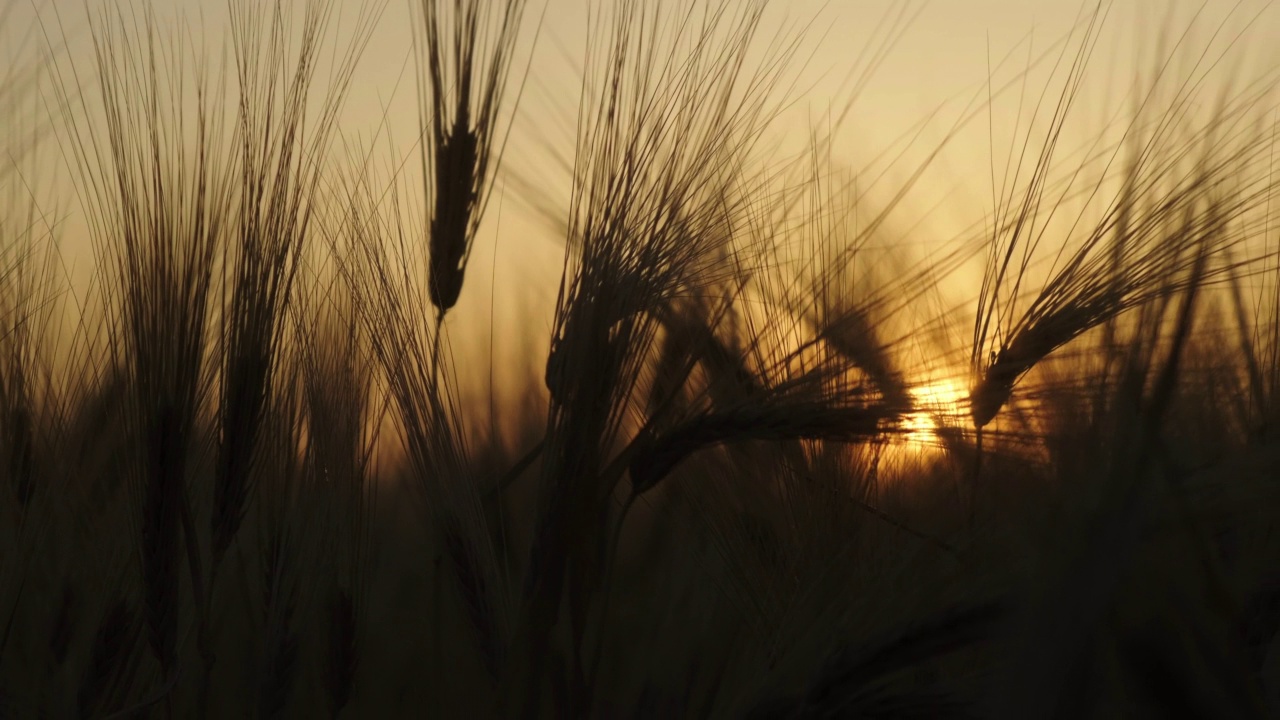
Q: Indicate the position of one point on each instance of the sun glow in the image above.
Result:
(938, 404)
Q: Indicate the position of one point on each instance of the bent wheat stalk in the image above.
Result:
(655, 456)
(1144, 247)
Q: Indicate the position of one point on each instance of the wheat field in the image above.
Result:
(278, 439)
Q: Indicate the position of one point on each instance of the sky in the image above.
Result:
(939, 59)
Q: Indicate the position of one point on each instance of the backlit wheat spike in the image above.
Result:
(158, 197)
(465, 52)
(658, 192)
(279, 139)
(1171, 209)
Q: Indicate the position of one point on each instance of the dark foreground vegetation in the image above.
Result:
(239, 477)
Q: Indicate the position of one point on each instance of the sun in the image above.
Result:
(939, 403)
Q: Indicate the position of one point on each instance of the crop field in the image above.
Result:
(667, 370)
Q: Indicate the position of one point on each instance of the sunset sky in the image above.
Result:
(942, 55)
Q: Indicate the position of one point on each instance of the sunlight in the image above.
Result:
(937, 402)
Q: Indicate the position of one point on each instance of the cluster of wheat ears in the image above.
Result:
(706, 508)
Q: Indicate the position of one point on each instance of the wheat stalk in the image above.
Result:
(281, 147)
(662, 140)
(156, 204)
(769, 419)
(1142, 249)
(465, 49)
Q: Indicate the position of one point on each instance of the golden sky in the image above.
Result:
(942, 56)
